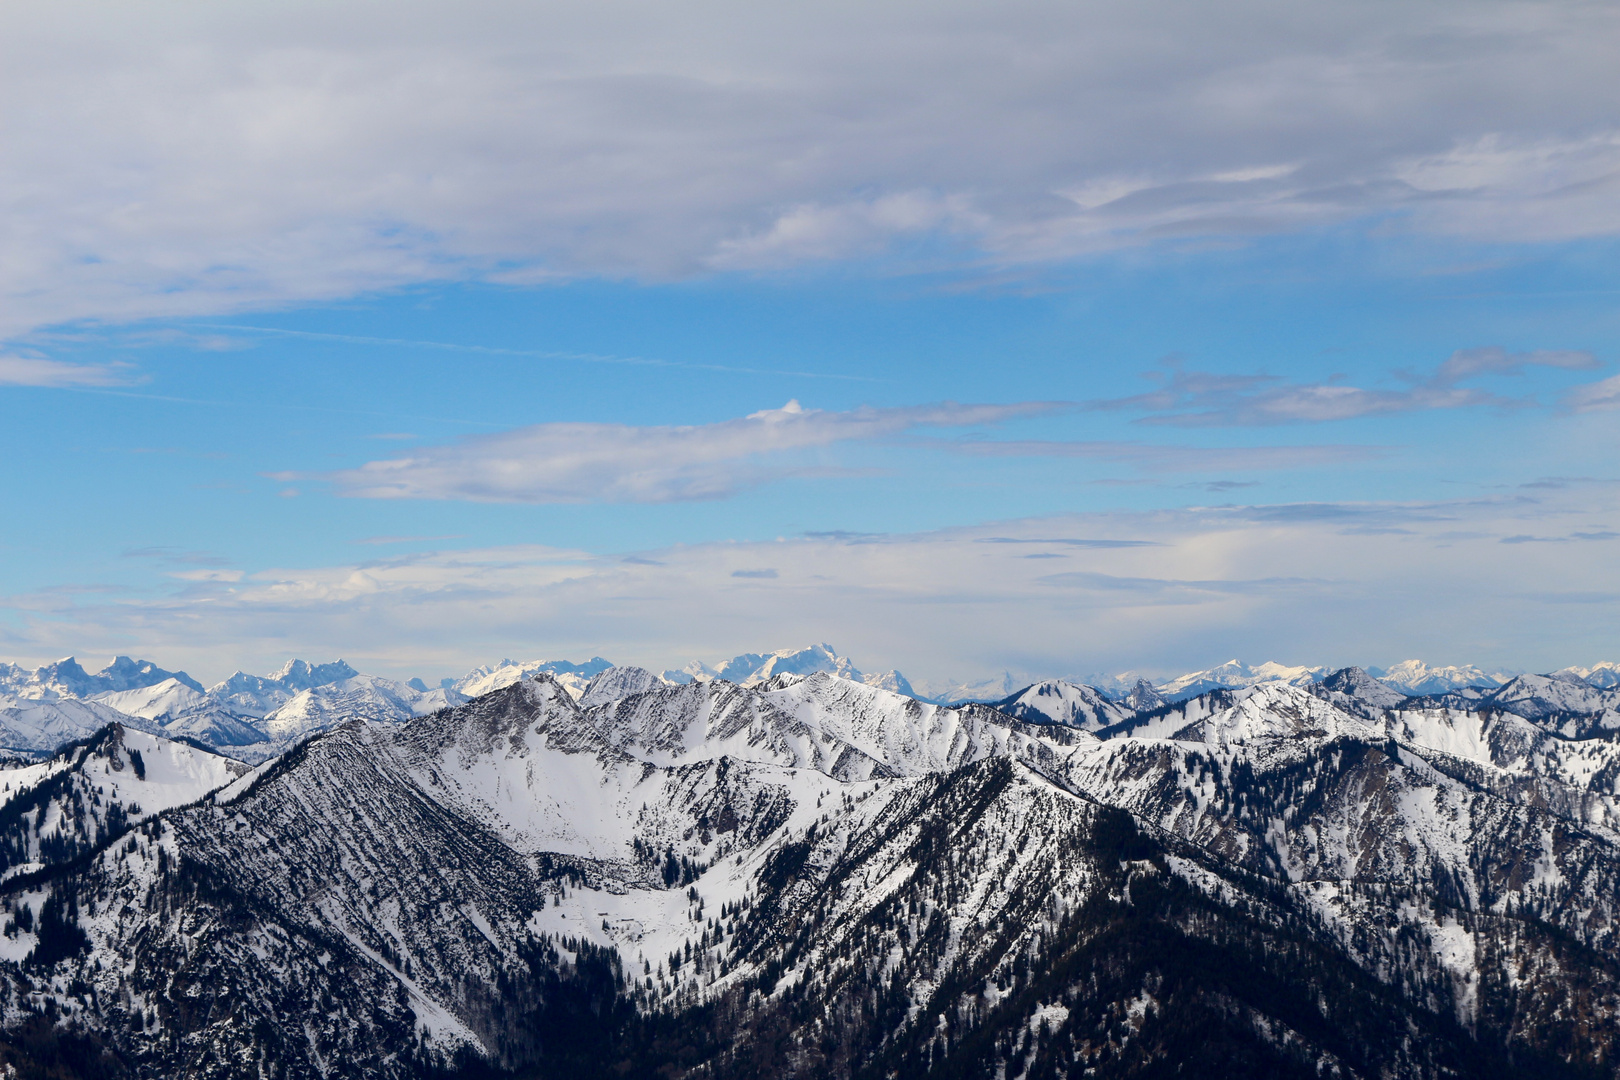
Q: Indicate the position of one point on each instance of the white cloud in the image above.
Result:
(172, 158)
(574, 462)
(29, 371)
(1323, 583)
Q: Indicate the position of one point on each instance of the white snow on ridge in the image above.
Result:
(909, 736)
(362, 697)
(1058, 702)
(256, 695)
(751, 669)
(135, 773)
(1605, 676)
(617, 683)
(1235, 674)
(1416, 678)
(1534, 696)
(166, 699)
(36, 726)
(484, 680)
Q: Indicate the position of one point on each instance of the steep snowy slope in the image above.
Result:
(1235, 674)
(617, 683)
(1564, 701)
(417, 862)
(825, 722)
(359, 697)
(39, 726)
(1059, 702)
(160, 702)
(909, 736)
(816, 877)
(56, 810)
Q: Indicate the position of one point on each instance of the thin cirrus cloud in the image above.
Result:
(1177, 459)
(1594, 397)
(185, 159)
(32, 371)
(582, 462)
(1204, 399)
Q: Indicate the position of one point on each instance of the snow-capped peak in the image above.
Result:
(1416, 677)
(1069, 704)
(750, 668)
(1235, 673)
(1354, 683)
(491, 677)
(66, 678)
(1605, 676)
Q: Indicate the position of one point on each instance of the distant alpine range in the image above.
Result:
(779, 866)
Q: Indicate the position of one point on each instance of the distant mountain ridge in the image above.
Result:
(257, 717)
(748, 669)
(66, 678)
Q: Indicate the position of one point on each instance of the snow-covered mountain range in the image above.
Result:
(800, 873)
(258, 717)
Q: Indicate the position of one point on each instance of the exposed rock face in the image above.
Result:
(816, 877)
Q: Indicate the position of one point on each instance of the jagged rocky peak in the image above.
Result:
(1358, 685)
(616, 683)
(126, 674)
(1143, 697)
(301, 675)
(67, 678)
(260, 693)
(890, 680)
(540, 703)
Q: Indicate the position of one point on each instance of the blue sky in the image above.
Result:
(1106, 345)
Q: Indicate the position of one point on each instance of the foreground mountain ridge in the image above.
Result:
(811, 876)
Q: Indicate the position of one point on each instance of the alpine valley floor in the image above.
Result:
(811, 876)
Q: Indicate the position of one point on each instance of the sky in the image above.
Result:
(1055, 339)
